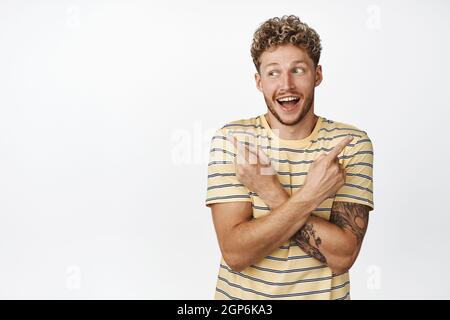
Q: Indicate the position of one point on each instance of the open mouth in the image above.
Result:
(288, 103)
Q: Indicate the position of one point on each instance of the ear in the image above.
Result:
(319, 76)
(258, 81)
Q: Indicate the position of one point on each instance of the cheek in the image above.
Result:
(268, 88)
(305, 84)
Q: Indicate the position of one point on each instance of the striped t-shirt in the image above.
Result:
(288, 272)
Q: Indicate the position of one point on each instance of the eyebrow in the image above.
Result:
(293, 62)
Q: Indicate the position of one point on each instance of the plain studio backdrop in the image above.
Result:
(106, 113)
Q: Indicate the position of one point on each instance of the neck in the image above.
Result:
(296, 132)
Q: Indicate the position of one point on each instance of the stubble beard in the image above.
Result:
(303, 113)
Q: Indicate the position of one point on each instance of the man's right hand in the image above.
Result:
(325, 176)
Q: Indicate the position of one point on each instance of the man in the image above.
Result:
(289, 191)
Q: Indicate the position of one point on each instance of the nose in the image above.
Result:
(287, 82)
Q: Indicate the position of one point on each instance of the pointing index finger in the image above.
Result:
(240, 147)
(339, 147)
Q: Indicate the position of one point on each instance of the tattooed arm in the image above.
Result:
(336, 242)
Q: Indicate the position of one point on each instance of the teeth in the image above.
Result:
(288, 99)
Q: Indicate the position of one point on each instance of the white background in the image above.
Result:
(106, 113)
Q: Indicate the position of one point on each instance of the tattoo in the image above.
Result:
(302, 238)
(351, 216)
(309, 228)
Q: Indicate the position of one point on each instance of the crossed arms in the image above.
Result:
(244, 241)
(336, 242)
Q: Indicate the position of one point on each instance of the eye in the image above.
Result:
(272, 73)
(299, 70)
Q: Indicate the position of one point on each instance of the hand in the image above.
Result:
(325, 176)
(254, 170)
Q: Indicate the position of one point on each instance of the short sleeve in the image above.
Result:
(223, 186)
(357, 160)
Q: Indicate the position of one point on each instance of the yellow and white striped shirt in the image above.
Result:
(288, 272)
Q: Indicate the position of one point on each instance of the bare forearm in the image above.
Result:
(253, 240)
(328, 243)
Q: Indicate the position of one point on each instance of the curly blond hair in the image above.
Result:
(285, 30)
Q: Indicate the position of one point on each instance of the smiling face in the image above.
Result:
(287, 78)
